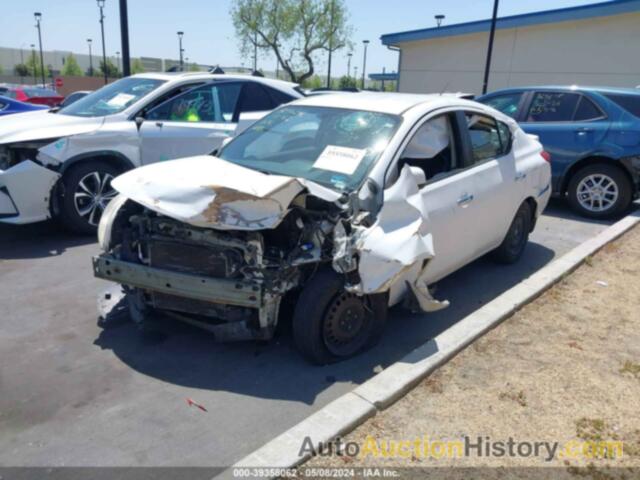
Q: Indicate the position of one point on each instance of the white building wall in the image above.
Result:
(598, 51)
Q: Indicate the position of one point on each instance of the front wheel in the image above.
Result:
(330, 324)
(87, 191)
(599, 191)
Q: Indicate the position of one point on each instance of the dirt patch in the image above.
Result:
(564, 370)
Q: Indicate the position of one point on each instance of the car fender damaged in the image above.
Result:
(388, 250)
(206, 218)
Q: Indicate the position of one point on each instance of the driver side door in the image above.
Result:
(193, 123)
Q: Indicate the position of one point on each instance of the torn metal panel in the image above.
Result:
(17, 185)
(399, 240)
(209, 192)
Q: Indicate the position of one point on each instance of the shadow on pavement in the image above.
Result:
(183, 355)
(38, 240)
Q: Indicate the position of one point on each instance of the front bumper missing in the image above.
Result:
(215, 290)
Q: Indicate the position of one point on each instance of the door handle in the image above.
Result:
(520, 176)
(159, 124)
(465, 200)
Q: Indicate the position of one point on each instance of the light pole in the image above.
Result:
(90, 57)
(180, 34)
(349, 55)
(492, 35)
(104, 49)
(118, 61)
(439, 19)
(331, 14)
(364, 62)
(33, 62)
(38, 17)
(21, 63)
(255, 51)
(124, 38)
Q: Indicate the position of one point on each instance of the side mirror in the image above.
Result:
(139, 121)
(418, 175)
(225, 142)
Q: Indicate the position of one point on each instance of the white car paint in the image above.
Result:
(26, 190)
(423, 230)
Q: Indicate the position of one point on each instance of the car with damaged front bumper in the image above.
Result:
(339, 205)
(60, 163)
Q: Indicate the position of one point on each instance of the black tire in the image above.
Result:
(84, 173)
(514, 243)
(323, 308)
(578, 198)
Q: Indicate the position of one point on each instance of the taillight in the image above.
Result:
(546, 156)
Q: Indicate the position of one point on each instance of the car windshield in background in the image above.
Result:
(631, 103)
(331, 146)
(112, 98)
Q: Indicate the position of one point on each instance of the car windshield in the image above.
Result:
(112, 98)
(331, 146)
(39, 92)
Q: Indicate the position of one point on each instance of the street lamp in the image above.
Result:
(33, 62)
(364, 62)
(255, 51)
(38, 17)
(492, 35)
(90, 57)
(349, 55)
(104, 49)
(439, 19)
(180, 34)
(118, 61)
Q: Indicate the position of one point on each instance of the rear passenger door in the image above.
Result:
(570, 126)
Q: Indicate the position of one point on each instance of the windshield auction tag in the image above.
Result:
(340, 159)
(120, 100)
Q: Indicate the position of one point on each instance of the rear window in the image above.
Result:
(631, 103)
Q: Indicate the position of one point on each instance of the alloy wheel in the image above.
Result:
(92, 195)
(597, 192)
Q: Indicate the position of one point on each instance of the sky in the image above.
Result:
(209, 36)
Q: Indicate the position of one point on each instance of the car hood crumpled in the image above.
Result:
(209, 192)
(39, 125)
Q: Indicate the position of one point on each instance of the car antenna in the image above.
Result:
(445, 88)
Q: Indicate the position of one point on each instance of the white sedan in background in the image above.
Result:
(61, 163)
(345, 204)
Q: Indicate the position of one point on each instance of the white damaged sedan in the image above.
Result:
(342, 204)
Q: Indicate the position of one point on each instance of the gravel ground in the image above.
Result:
(566, 369)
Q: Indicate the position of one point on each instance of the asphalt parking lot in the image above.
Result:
(75, 394)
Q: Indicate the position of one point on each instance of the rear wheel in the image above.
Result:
(87, 191)
(330, 324)
(599, 191)
(512, 247)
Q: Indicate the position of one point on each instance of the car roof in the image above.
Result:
(392, 103)
(573, 88)
(182, 76)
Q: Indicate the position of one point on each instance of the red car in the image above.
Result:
(36, 95)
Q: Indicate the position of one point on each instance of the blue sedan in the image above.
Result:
(9, 106)
(593, 137)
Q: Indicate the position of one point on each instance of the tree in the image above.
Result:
(33, 63)
(21, 70)
(193, 67)
(137, 66)
(111, 69)
(313, 82)
(347, 82)
(1, 70)
(71, 67)
(295, 31)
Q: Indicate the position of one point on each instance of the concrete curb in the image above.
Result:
(352, 409)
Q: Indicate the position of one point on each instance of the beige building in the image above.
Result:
(597, 44)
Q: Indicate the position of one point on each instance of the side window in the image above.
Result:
(553, 107)
(630, 102)
(278, 97)
(507, 104)
(2, 105)
(586, 110)
(432, 148)
(506, 137)
(208, 103)
(486, 143)
(255, 98)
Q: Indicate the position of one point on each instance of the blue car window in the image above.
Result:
(507, 104)
(586, 111)
(553, 107)
(631, 103)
